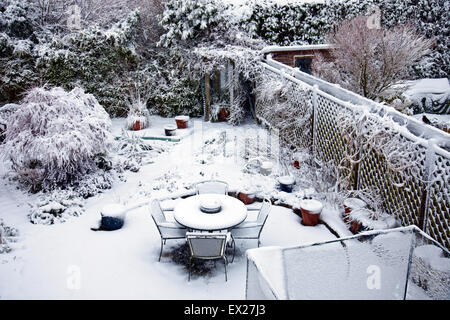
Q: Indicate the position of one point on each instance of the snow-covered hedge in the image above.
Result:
(17, 40)
(54, 137)
(95, 59)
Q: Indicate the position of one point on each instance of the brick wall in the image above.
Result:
(288, 57)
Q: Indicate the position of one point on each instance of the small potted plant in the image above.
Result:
(310, 210)
(138, 114)
(219, 112)
(182, 122)
(247, 195)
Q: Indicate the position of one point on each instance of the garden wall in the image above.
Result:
(419, 195)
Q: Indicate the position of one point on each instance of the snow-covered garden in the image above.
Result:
(117, 106)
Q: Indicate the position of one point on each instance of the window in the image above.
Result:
(304, 63)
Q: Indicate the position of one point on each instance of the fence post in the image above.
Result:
(314, 119)
(425, 199)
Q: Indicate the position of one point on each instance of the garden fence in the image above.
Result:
(423, 198)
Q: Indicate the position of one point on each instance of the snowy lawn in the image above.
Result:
(69, 261)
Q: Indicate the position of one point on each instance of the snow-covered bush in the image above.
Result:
(17, 40)
(56, 206)
(191, 20)
(289, 113)
(54, 137)
(173, 88)
(96, 59)
(7, 235)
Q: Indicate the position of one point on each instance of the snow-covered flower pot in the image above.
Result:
(351, 204)
(286, 183)
(182, 122)
(138, 125)
(113, 217)
(310, 210)
(247, 196)
(298, 158)
(223, 114)
(266, 168)
(170, 130)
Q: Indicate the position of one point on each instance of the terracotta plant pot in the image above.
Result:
(223, 114)
(310, 210)
(355, 227)
(182, 122)
(138, 125)
(246, 198)
(170, 130)
(349, 205)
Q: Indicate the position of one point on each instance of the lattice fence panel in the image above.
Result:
(401, 198)
(438, 211)
(329, 145)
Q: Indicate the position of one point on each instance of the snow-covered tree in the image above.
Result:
(54, 136)
(370, 61)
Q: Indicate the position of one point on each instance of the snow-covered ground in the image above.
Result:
(70, 261)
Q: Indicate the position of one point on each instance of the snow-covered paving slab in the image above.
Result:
(70, 261)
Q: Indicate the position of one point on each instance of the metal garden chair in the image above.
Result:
(251, 230)
(207, 246)
(212, 186)
(168, 230)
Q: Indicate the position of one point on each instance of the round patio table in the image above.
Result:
(187, 213)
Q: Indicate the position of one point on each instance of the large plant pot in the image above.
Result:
(246, 197)
(286, 183)
(266, 168)
(170, 130)
(223, 114)
(182, 122)
(138, 125)
(351, 204)
(310, 211)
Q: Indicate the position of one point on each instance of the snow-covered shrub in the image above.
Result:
(17, 41)
(56, 206)
(96, 59)
(290, 113)
(191, 20)
(7, 235)
(54, 136)
(173, 88)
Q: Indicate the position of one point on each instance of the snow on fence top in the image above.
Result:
(416, 130)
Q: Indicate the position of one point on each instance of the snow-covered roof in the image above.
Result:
(269, 49)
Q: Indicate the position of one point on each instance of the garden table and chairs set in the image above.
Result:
(210, 221)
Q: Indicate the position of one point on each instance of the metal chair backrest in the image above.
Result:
(212, 186)
(157, 213)
(207, 246)
(264, 211)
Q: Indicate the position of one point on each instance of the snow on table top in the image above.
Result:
(187, 212)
